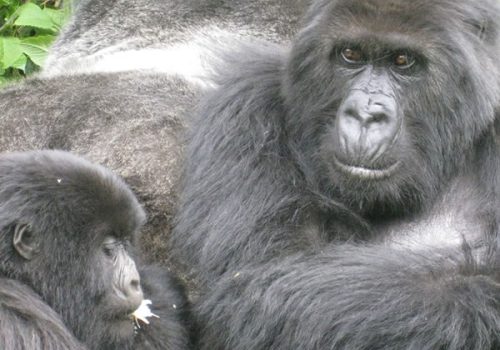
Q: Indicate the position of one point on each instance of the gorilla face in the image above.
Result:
(387, 100)
(119, 292)
(73, 224)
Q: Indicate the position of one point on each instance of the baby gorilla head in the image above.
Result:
(67, 228)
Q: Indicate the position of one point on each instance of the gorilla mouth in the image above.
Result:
(366, 173)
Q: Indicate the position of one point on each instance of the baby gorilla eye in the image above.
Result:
(108, 251)
(109, 247)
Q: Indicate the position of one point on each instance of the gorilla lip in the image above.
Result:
(366, 173)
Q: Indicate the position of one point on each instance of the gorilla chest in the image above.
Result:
(460, 215)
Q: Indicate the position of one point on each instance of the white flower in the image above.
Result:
(143, 312)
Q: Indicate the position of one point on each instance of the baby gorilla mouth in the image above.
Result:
(366, 173)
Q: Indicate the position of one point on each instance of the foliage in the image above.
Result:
(27, 29)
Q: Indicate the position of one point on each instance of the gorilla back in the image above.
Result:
(164, 36)
(344, 193)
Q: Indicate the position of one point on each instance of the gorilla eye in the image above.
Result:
(404, 60)
(109, 246)
(108, 250)
(352, 55)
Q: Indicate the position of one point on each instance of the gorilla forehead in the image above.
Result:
(457, 38)
(411, 16)
(91, 194)
(406, 8)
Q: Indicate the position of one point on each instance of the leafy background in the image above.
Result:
(27, 29)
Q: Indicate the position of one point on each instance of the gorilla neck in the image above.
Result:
(461, 212)
(464, 212)
(381, 202)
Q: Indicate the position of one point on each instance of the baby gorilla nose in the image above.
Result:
(133, 292)
(367, 125)
(131, 286)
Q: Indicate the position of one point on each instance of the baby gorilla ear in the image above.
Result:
(24, 242)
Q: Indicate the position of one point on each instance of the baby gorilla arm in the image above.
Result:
(26, 322)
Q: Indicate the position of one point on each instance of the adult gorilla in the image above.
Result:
(344, 195)
(67, 229)
(132, 122)
(165, 36)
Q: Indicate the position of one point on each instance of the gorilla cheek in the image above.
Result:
(126, 281)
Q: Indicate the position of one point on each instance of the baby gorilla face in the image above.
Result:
(73, 227)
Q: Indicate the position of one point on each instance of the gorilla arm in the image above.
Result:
(29, 323)
(353, 297)
(233, 167)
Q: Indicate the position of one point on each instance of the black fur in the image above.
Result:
(27, 322)
(265, 215)
(65, 290)
(171, 330)
(357, 297)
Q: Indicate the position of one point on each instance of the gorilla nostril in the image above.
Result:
(365, 117)
(352, 112)
(135, 285)
(378, 118)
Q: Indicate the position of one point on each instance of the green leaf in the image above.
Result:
(11, 51)
(20, 63)
(58, 17)
(31, 67)
(37, 47)
(9, 3)
(33, 16)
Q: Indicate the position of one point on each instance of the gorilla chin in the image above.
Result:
(121, 329)
(120, 326)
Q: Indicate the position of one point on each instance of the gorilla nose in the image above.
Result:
(133, 291)
(367, 125)
(367, 117)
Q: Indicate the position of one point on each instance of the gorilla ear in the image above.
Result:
(24, 242)
(480, 28)
(483, 28)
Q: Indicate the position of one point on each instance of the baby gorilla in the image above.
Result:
(67, 276)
